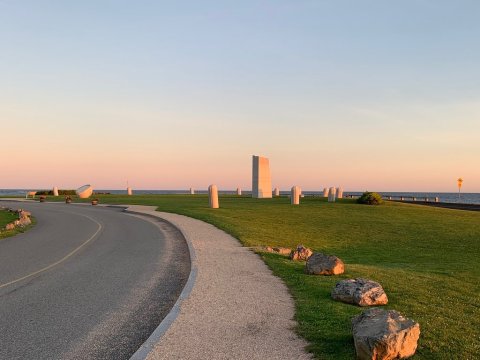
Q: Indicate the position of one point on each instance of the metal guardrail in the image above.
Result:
(402, 198)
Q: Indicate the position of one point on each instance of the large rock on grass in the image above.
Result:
(360, 292)
(23, 221)
(10, 226)
(23, 213)
(322, 264)
(301, 253)
(384, 335)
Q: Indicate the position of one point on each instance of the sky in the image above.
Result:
(368, 95)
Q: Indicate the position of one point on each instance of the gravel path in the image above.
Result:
(237, 308)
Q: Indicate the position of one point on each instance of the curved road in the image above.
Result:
(86, 282)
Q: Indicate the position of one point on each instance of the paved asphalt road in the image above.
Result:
(86, 282)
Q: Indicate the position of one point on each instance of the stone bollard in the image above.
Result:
(331, 194)
(129, 191)
(437, 199)
(192, 192)
(325, 192)
(295, 195)
(276, 191)
(213, 196)
(340, 193)
(55, 191)
(239, 191)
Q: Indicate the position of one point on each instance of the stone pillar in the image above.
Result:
(414, 198)
(340, 193)
(295, 195)
(261, 179)
(276, 191)
(437, 199)
(239, 191)
(325, 192)
(55, 191)
(331, 194)
(402, 198)
(192, 192)
(129, 191)
(213, 196)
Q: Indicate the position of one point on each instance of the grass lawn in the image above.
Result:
(5, 218)
(426, 258)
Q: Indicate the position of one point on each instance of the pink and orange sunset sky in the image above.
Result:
(374, 95)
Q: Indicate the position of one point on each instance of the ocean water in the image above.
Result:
(463, 198)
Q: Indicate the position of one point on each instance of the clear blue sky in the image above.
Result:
(378, 95)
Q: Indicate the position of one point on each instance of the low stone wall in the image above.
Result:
(24, 219)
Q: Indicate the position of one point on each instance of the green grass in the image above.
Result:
(5, 218)
(426, 258)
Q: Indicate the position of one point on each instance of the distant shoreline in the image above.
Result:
(444, 198)
(455, 206)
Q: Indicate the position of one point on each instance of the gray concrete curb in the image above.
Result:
(147, 347)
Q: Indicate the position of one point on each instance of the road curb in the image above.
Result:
(147, 347)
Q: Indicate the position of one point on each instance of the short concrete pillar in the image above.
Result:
(295, 195)
(331, 194)
(239, 191)
(213, 196)
(129, 191)
(325, 192)
(437, 199)
(55, 191)
(340, 193)
(276, 191)
(192, 192)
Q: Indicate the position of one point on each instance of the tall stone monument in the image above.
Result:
(261, 179)
(325, 192)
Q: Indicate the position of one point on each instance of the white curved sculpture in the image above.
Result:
(85, 191)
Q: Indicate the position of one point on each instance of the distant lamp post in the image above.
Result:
(459, 183)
